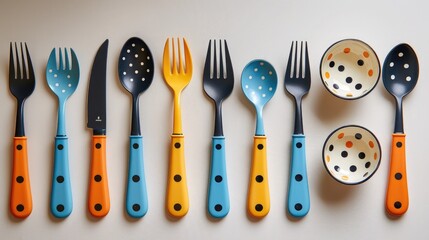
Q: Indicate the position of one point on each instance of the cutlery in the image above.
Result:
(259, 83)
(400, 74)
(177, 78)
(99, 199)
(218, 85)
(297, 84)
(136, 69)
(63, 79)
(21, 84)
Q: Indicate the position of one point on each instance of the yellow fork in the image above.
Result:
(177, 78)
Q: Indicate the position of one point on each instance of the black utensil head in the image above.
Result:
(400, 70)
(135, 66)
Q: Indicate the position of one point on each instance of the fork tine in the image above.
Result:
(29, 63)
(181, 70)
(307, 62)
(18, 67)
(301, 62)
(174, 56)
(207, 64)
(60, 56)
(229, 70)
(221, 74)
(11, 64)
(24, 68)
(66, 58)
(289, 63)
(188, 58)
(295, 62)
(215, 73)
(74, 62)
(166, 58)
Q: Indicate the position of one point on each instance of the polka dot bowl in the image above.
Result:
(351, 154)
(350, 69)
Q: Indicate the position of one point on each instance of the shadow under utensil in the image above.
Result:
(331, 191)
(329, 108)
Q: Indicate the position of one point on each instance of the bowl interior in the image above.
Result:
(350, 69)
(351, 154)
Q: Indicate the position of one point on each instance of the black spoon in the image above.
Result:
(400, 74)
(136, 69)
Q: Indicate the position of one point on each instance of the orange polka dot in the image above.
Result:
(371, 144)
(346, 50)
(370, 72)
(349, 144)
(375, 156)
(327, 75)
(345, 177)
(341, 135)
(366, 54)
(328, 158)
(329, 56)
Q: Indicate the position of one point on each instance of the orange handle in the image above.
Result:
(99, 200)
(397, 189)
(21, 203)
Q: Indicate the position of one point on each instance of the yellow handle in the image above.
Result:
(397, 189)
(177, 189)
(20, 196)
(258, 201)
(99, 199)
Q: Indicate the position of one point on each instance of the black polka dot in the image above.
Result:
(136, 207)
(97, 178)
(19, 179)
(331, 64)
(337, 168)
(399, 144)
(341, 68)
(177, 207)
(177, 145)
(367, 164)
(98, 145)
(60, 147)
(218, 146)
(260, 146)
(135, 145)
(397, 205)
(398, 176)
(60, 207)
(98, 207)
(136, 178)
(362, 155)
(360, 62)
(177, 178)
(353, 168)
(358, 86)
(331, 147)
(20, 207)
(344, 154)
(259, 207)
(298, 177)
(358, 136)
(349, 80)
(19, 147)
(218, 178)
(259, 178)
(299, 145)
(60, 179)
(298, 207)
(336, 86)
(218, 207)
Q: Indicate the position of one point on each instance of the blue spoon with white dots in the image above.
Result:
(63, 79)
(135, 70)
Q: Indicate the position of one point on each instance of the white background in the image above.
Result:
(254, 29)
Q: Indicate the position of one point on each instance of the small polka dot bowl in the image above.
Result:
(351, 154)
(350, 69)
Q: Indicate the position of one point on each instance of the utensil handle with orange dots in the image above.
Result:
(258, 199)
(397, 188)
(20, 196)
(99, 199)
(177, 189)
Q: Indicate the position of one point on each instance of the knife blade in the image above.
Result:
(98, 194)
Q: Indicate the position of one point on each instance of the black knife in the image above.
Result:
(99, 199)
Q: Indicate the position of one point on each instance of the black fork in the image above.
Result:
(21, 85)
(218, 85)
(297, 83)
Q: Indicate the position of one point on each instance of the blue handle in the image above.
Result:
(136, 202)
(298, 197)
(61, 194)
(218, 199)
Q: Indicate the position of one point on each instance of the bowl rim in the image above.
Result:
(376, 56)
(379, 148)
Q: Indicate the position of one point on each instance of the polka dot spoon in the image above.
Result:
(400, 74)
(135, 70)
(259, 83)
(63, 80)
